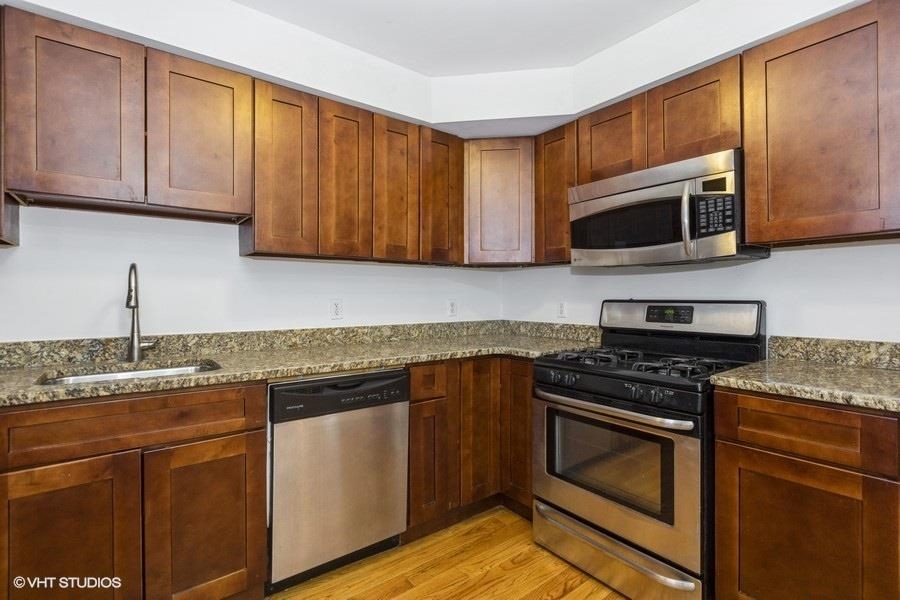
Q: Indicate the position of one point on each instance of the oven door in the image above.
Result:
(635, 475)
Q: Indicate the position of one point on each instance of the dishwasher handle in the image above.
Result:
(328, 395)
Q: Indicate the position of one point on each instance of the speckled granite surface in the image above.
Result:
(851, 353)
(18, 385)
(839, 384)
(60, 352)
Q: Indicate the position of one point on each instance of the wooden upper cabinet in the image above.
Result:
(74, 111)
(79, 519)
(345, 180)
(395, 211)
(204, 519)
(441, 183)
(500, 200)
(694, 115)
(555, 171)
(199, 135)
(821, 116)
(285, 184)
(613, 140)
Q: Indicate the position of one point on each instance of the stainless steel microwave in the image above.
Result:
(688, 211)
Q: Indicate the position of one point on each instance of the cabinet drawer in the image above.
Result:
(843, 437)
(44, 435)
(428, 381)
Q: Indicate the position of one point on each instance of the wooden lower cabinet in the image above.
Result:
(75, 519)
(204, 518)
(479, 443)
(515, 429)
(806, 502)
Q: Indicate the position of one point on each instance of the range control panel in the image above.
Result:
(715, 214)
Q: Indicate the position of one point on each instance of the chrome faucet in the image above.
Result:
(136, 346)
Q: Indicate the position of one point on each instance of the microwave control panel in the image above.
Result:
(715, 214)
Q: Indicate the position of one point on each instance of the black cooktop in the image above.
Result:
(634, 364)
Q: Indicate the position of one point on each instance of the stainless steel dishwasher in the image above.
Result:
(338, 471)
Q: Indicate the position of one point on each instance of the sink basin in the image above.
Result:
(89, 376)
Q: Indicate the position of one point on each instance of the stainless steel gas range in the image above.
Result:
(623, 443)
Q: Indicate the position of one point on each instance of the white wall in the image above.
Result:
(849, 291)
(68, 280)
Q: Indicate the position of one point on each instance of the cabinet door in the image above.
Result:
(74, 114)
(613, 140)
(694, 115)
(442, 197)
(396, 182)
(821, 112)
(515, 429)
(787, 528)
(500, 200)
(479, 429)
(199, 135)
(555, 171)
(205, 518)
(9, 221)
(429, 458)
(75, 519)
(285, 184)
(345, 180)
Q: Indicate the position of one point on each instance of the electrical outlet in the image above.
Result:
(452, 308)
(336, 308)
(562, 311)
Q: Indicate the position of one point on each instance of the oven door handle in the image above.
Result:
(686, 220)
(661, 422)
(669, 582)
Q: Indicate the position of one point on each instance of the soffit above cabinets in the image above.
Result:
(439, 37)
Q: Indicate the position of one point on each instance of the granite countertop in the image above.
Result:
(18, 385)
(864, 387)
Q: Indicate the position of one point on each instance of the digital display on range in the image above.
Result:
(670, 314)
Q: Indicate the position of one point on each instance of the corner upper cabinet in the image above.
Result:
(694, 115)
(500, 200)
(613, 140)
(73, 119)
(199, 135)
(285, 186)
(555, 171)
(395, 211)
(345, 180)
(821, 116)
(441, 186)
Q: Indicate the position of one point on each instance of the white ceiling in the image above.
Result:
(463, 37)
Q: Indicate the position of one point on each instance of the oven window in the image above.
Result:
(630, 467)
(633, 226)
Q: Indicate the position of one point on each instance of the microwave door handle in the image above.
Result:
(686, 220)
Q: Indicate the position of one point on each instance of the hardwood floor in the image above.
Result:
(490, 555)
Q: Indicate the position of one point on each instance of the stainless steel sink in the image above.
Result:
(155, 371)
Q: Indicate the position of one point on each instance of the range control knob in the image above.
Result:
(637, 392)
(655, 396)
(555, 376)
(571, 378)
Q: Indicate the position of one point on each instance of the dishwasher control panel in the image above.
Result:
(327, 395)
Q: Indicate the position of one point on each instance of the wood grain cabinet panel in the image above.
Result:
(441, 184)
(694, 115)
(515, 429)
(345, 180)
(788, 528)
(285, 184)
(479, 429)
(500, 200)
(396, 190)
(429, 461)
(204, 519)
(199, 135)
(9, 221)
(613, 140)
(555, 171)
(74, 111)
(75, 519)
(821, 112)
